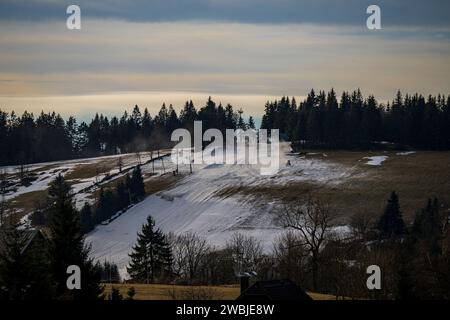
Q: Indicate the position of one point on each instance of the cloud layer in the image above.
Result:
(251, 50)
(349, 12)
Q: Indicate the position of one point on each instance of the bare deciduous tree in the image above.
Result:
(361, 224)
(312, 220)
(290, 256)
(189, 251)
(246, 251)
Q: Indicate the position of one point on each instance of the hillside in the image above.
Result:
(216, 201)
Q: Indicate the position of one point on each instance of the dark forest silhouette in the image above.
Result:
(354, 122)
(321, 120)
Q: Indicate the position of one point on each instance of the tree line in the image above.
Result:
(351, 122)
(110, 202)
(321, 120)
(414, 258)
(26, 139)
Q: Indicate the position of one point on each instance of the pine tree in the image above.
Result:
(67, 245)
(428, 227)
(109, 272)
(251, 123)
(391, 223)
(131, 293)
(151, 256)
(188, 115)
(115, 295)
(172, 122)
(147, 124)
(241, 123)
(123, 196)
(136, 185)
(87, 222)
(106, 206)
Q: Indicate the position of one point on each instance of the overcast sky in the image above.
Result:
(238, 51)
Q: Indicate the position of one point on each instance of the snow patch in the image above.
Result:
(406, 153)
(376, 160)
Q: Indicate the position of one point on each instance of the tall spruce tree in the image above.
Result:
(67, 245)
(151, 256)
(251, 123)
(109, 272)
(391, 223)
(136, 185)
(428, 228)
(87, 222)
(123, 195)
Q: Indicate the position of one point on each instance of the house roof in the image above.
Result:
(27, 238)
(275, 290)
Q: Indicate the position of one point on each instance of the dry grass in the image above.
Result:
(414, 177)
(49, 167)
(25, 203)
(163, 182)
(85, 171)
(168, 292)
(152, 186)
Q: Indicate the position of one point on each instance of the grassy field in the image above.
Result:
(85, 171)
(171, 292)
(415, 177)
(26, 202)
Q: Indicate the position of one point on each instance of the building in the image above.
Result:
(274, 290)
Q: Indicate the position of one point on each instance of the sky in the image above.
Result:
(242, 52)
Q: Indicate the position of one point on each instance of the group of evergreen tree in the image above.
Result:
(109, 272)
(41, 272)
(322, 120)
(151, 258)
(423, 259)
(24, 139)
(112, 201)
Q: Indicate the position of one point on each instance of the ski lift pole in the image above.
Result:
(153, 162)
(190, 161)
(177, 161)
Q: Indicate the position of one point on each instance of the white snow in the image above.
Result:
(406, 153)
(376, 160)
(194, 204)
(38, 185)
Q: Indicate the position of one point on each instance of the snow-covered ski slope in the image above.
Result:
(214, 201)
(196, 204)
